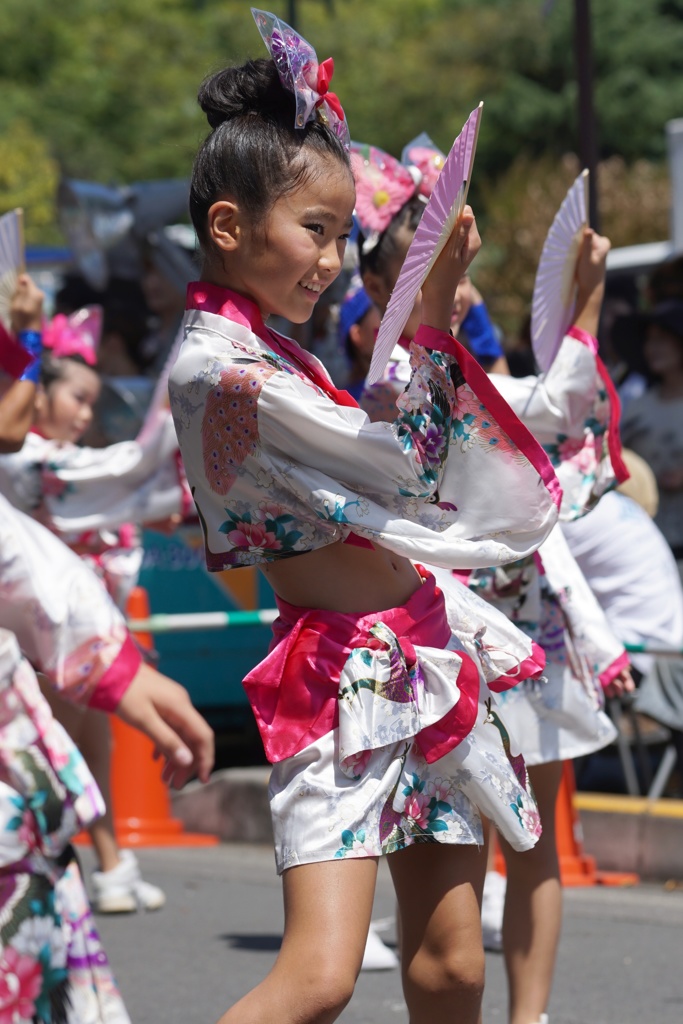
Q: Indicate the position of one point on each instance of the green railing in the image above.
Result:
(192, 621)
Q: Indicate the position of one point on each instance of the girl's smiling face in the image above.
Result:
(285, 263)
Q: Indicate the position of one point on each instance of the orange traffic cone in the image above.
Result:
(576, 867)
(140, 799)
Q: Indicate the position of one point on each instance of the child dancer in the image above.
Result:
(65, 485)
(569, 411)
(374, 709)
(80, 490)
(52, 966)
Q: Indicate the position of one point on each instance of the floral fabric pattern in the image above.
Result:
(266, 528)
(65, 622)
(394, 798)
(581, 460)
(49, 791)
(230, 423)
(75, 489)
(560, 715)
(406, 484)
(474, 424)
(46, 795)
(570, 411)
(34, 987)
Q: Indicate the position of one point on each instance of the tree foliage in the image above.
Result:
(28, 178)
(109, 90)
(634, 202)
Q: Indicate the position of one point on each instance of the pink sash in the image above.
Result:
(294, 691)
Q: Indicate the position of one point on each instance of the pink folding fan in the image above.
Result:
(445, 205)
(552, 308)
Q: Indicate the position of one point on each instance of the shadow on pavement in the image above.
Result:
(258, 943)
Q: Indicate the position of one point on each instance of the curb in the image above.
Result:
(233, 805)
(628, 833)
(623, 833)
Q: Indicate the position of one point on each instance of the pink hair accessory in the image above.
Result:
(383, 186)
(429, 160)
(75, 335)
(300, 73)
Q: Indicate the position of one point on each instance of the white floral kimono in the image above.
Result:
(387, 733)
(53, 969)
(92, 497)
(573, 411)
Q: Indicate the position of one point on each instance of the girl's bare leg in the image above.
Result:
(533, 907)
(327, 915)
(442, 959)
(96, 746)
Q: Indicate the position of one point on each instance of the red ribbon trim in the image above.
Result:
(325, 72)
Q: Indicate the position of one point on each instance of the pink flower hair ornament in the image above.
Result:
(300, 73)
(75, 335)
(383, 186)
(429, 160)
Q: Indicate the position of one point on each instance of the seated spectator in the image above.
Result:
(652, 425)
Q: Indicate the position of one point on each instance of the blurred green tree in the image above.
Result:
(634, 201)
(111, 88)
(28, 178)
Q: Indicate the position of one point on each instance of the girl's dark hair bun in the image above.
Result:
(253, 152)
(252, 88)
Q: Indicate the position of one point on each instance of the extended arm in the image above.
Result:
(70, 630)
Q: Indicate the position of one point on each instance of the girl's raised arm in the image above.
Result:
(438, 291)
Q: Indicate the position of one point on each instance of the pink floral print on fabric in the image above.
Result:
(230, 422)
(583, 453)
(21, 982)
(86, 664)
(473, 424)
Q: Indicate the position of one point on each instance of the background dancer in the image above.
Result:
(569, 411)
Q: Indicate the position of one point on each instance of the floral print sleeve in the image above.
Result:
(278, 464)
(64, 620)
(77, 489)
(405, 457)
(573, 410)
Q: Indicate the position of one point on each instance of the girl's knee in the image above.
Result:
(324, 990)
(459, 973)
(539, 863)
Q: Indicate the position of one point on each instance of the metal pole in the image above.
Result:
(291, 13)
(588, 149)
(674, 137)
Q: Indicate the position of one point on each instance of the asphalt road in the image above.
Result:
(621, 956)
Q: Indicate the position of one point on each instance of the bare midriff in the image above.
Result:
(344, 578)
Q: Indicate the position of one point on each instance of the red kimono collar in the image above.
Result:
(211, 298)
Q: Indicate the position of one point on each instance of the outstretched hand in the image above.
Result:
(438, 291)
(162, 709)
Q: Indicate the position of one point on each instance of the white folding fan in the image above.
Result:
(445, 205)
(12, 259)
(554, 298)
